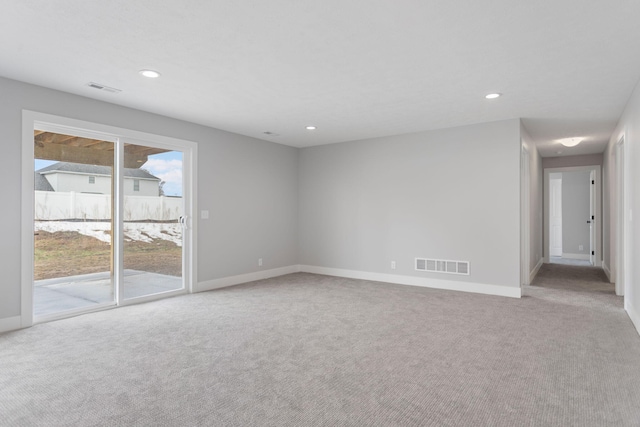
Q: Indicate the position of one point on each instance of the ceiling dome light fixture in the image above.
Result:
(311, 128)
(493, 95)
(570, 142)
(152, 74)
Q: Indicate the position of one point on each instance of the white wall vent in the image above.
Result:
(103, 87)
(442, 266)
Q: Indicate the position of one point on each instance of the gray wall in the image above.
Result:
(445, 194)
(536, 214)
(249, 186)
(575, 212)
(629, 127)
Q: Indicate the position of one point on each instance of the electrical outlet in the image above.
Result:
(204, 214)
(393, 265)
(581, 247)
(259, 262)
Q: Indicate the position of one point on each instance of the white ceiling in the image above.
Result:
(354, 68)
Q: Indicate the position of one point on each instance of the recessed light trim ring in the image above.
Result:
(151, 74)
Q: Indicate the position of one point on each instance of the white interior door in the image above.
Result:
(555, 217)
(592, 217)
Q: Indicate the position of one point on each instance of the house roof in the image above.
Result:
(94, 170)
(41, 183)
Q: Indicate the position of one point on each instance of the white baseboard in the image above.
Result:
(244, 278)
(575, 256)
(480, 288)
(10, 324)
(534, 273)
(633, 315)
(607, 271)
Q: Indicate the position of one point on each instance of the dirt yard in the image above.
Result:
(66, 253)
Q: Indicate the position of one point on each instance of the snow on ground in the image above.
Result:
(133, 231)
(148, 232)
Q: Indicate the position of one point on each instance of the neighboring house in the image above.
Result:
(41, 183)
(81, 178)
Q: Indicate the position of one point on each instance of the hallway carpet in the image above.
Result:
(569, 261)
(575, 278)
(311, 350)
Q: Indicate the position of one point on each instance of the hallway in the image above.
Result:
(573, 278)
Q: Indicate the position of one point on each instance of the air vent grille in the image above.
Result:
(463, 267)
(442, 266)
(103, 88)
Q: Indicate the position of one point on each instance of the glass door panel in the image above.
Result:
(152, 221)
(73, 223)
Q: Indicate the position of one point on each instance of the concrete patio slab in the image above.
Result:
(53, 296)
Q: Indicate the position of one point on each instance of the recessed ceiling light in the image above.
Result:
(493, 95)
(311, 128)
(150, 74)
(570, 142)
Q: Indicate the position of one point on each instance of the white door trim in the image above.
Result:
(555, 216)
(27, 216)
(598, 220)
(31, 119)
(619, 273)
(525, 220)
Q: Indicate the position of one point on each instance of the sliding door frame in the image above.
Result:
(32, 120)
(187, 238)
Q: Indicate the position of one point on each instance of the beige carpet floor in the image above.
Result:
(310, 350)
(574, 278)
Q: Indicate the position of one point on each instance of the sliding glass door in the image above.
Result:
(73, 223)
(110, 221)
(154, 217)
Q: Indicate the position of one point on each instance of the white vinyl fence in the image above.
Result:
(51, 205)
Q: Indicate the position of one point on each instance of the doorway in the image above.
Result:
(110, 219)
(572, 224)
